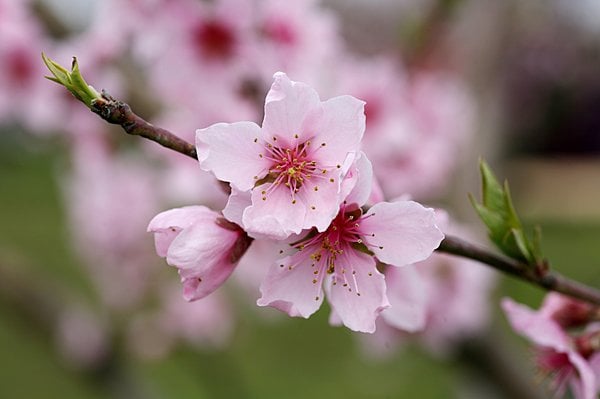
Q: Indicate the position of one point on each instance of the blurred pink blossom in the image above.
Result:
(565, 359)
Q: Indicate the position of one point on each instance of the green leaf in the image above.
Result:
(72, 81)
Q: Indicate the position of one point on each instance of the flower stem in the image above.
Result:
(120, 113)
(541, 277)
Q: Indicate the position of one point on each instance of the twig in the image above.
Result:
(543, 278)
(120, 113)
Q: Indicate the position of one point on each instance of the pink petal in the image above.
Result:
(237, 202)
(405, 232)
(584, 383)
(539, 329)
(407, 298)
(321, 205)
(231, 152)
(200, 246)
(276, 217)
(167, 225)
(362, 172)
(359, 312)
(289, 287)
(340, 128)
(199, 282)
(289, 107)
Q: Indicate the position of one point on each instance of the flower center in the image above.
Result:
(20, 69)
(214, 40)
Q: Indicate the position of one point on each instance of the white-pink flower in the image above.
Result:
(201, 244)
(343, 259)
(566, 359)
(293, 165)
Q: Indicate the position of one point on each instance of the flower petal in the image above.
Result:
(167, 225)
(339, 129)
(359, 302)
(362, 172)
(321, 201)
(199, 282)
(408, 301)
(237, 202)
(539, 329)
(404, 232)
(232, 152)
(201, 245)
(289, 108)
(291, 287)
(275, 217)
(584, 383)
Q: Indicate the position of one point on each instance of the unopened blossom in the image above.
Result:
(342, 260)
(568, 361)
(201, 244)
(292, 165)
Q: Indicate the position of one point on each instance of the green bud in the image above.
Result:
(72, 80)
(505, 230)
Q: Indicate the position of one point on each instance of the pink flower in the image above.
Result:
(203, 246)
(293, 164)
(566, 359)
(343, 259)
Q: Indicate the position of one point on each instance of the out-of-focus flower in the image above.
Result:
(111, 197)
(567, 360)
(205, 324)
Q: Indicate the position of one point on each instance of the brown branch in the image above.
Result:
(541, 277)
(120, 113)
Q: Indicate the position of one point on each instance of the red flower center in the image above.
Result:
(214, 39)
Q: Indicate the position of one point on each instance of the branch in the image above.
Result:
(120, 113)
(114, 111)
(541, 277)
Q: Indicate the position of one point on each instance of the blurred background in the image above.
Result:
(87, 310)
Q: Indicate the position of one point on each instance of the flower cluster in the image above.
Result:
(566, 339)
(301, 182)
